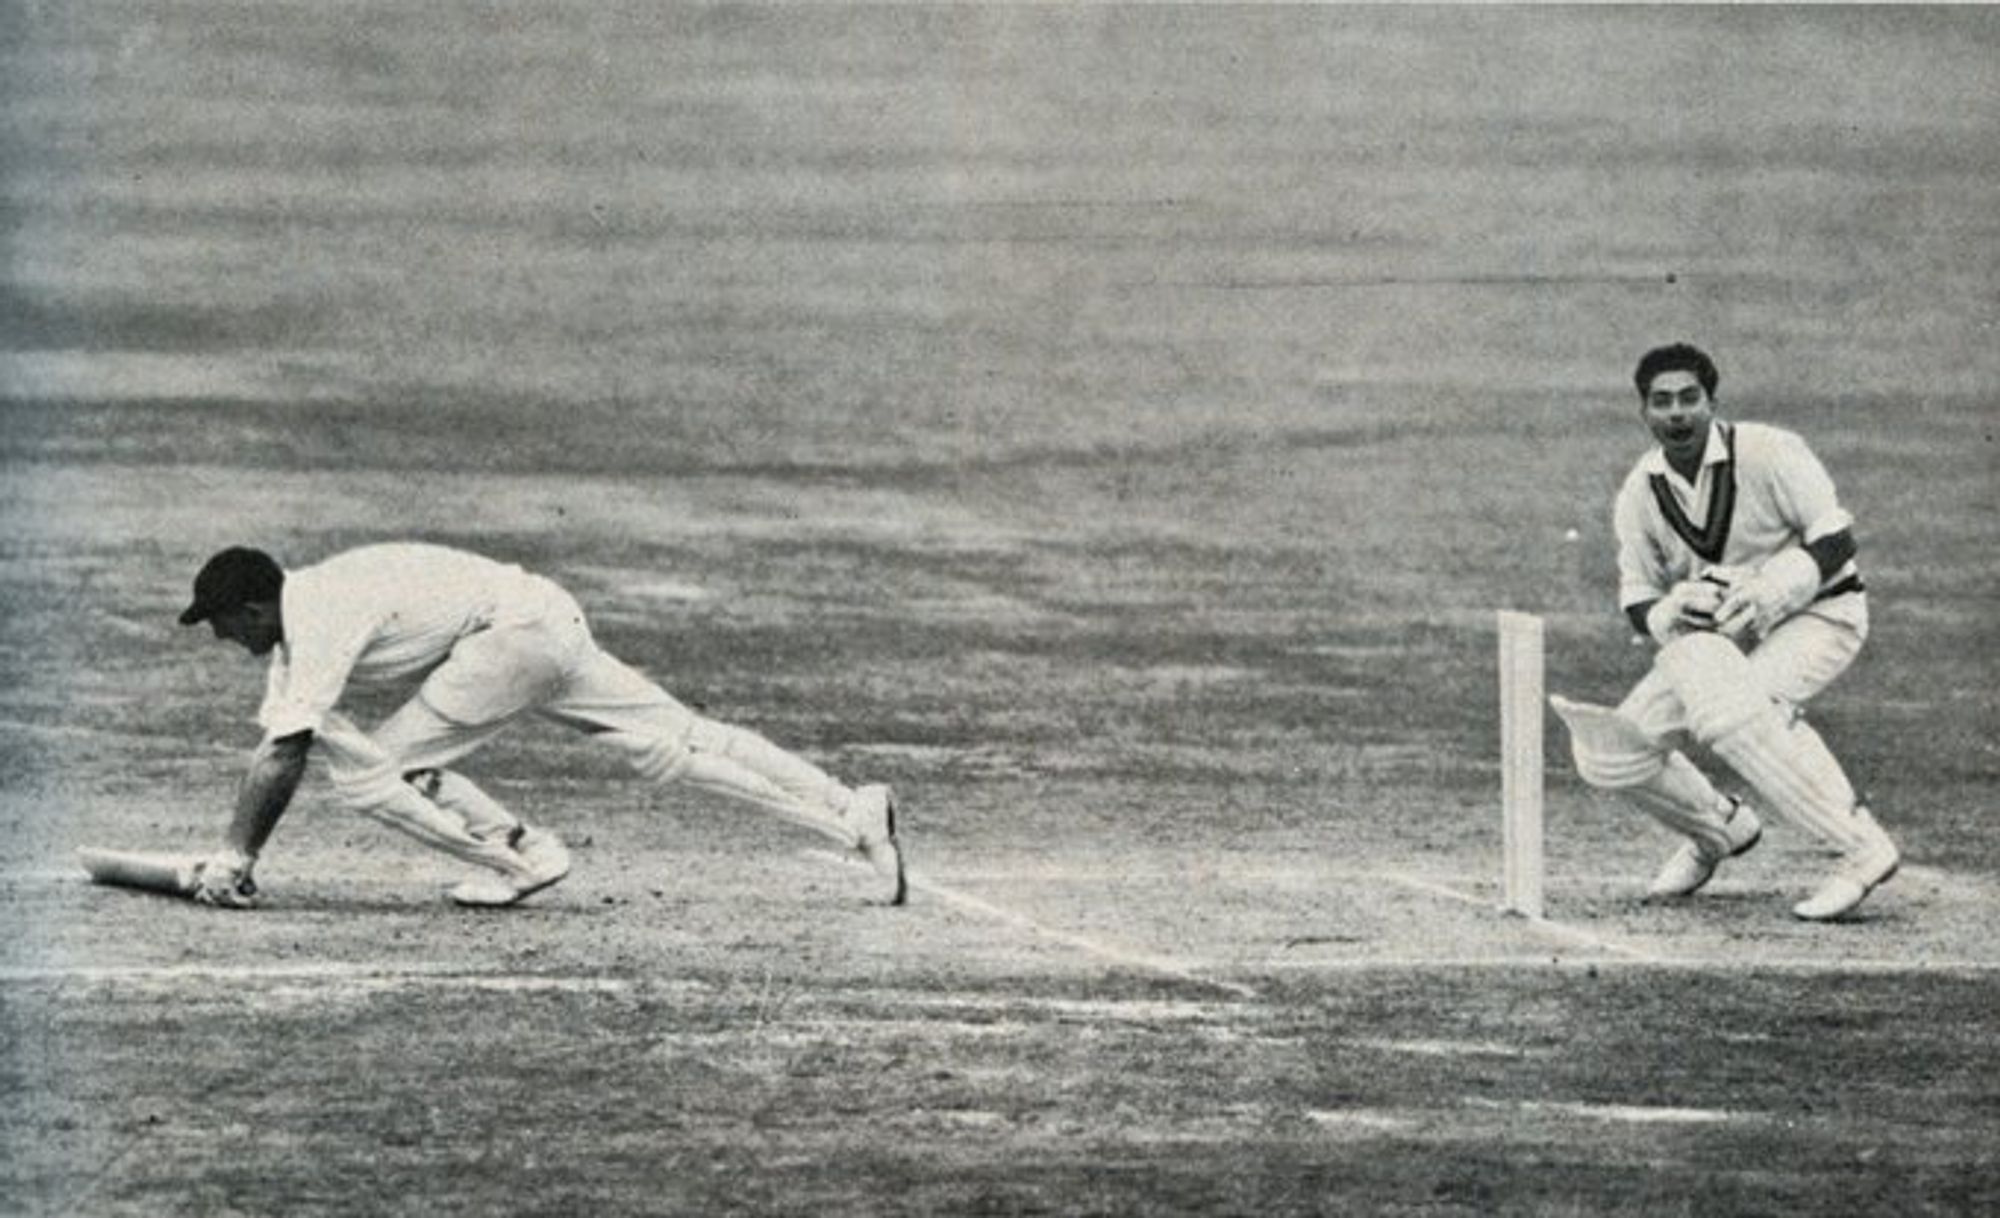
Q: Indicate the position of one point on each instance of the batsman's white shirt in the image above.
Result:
(383, 614)
(1759, 491)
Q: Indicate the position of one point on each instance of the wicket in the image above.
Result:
(1521, 763)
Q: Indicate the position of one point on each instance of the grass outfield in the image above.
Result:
(1114, 427)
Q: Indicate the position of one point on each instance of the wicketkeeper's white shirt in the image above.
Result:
(1774, 493)
(381, 614)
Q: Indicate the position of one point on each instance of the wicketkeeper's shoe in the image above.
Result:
(1859, 872)
(1692, 866)
(543, 861)
(872, 812)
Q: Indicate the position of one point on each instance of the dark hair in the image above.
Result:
(235, 577)
(1679, 357)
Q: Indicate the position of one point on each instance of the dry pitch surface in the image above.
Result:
(1114, 428)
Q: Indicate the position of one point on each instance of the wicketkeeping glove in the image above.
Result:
(223, 880)
(1785, 584)
(1689, 605)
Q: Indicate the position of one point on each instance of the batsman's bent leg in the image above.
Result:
(708, 759)
(714, 768)
(803, 781)
(484, 816)
(667, 742)
(386, 798)
(369, 779)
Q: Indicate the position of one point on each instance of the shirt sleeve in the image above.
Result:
(322, 642)
(1805, 492)
(1642, 576)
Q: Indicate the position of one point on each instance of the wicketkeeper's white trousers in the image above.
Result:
(1793, 664)
(1748, 714)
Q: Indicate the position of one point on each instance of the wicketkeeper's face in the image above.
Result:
(1678, 412)
(252, 627)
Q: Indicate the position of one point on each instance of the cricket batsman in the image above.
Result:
(1736, 559)
(481, 643)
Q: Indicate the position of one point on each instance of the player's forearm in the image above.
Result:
(275, 772)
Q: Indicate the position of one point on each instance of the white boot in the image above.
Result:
(872, 813)
(1859, 872)
(542, 860)
(1692, 866)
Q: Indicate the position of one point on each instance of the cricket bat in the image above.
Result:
(150, 870)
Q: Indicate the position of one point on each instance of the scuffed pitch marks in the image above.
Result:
(1448, 1048)
(1143, 1011)
(1176, 676)
(1512, 1122)
(669, 590)
(1387, 652)
(798, 1033)
(856, 1018)
(982, 760)
(1641, 1114)
(329, 985)
(960, 1121)
(1363, 1122)
(359, 991)
(124, 376)
(1219, 1023)
(981, 607)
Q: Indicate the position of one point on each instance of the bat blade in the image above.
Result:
(149, 870)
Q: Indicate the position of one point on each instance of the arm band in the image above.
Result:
(1832, 551)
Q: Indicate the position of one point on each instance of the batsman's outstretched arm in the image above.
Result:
(276, 769)
(223, 879)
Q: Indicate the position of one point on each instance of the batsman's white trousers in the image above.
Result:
(1799, 658)
(545, 662)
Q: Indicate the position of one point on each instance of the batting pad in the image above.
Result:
(1611, 753)
(1779, 755)
(1610, 750)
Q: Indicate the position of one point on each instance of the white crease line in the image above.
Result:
(1831, 965)
(1147, 1010)
(319, 970)
(1083, 943)
(1184, 875)
(1542, 926)
(455, 975)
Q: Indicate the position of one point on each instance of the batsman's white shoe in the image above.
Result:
(873, 815)
(1692, 866)
(544, 861)
(1858, 873)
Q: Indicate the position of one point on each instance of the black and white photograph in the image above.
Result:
(637, 608)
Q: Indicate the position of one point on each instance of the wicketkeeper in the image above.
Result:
(1737, 560)
(484, 643)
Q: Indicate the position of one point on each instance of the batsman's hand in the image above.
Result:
(223, 880)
